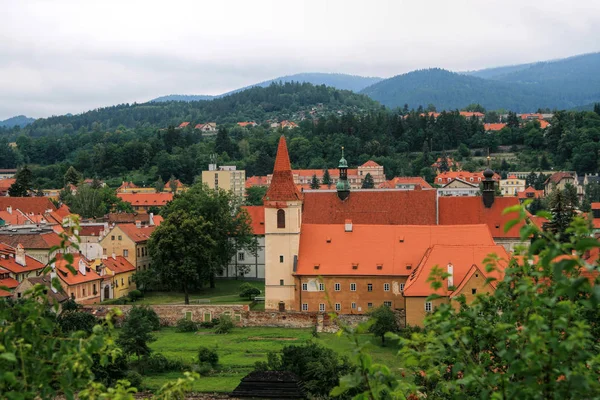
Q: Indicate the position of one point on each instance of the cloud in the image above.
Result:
(71, 56)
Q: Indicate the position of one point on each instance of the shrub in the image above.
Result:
(135, 295)
(157, 363)
(186, 325)
(150, 315)
(134, 378)
(225, 325)
(248, 291)
(207, 324)
(204, 369)
(208, 356)
(384, 322)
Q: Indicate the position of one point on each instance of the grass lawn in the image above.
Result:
(240, 349)
(225, 292)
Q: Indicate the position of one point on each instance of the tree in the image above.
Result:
(248, 291)
(562, 205)
(23, 183)
(512, 121)
(384, 320)
(225, 325)
(544, 164)
(173, 184)
(314, 183)
(72, 318)
(597, 108)
(530, 179)
(182, 251)
(93, 203)
(159, 185)
(136, 333)
(223, 143)
(464, 151)
(72, 177)
(327, 178)
(368, 182)
(255, 195)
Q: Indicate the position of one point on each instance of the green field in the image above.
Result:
(225, 292)
(240, 349)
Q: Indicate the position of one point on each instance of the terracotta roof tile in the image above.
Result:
(494, 127)
(118, 265)
(73, 279)
(93, 230)
(530, 193)
(282, 186)
(446, 177)
(405, 180)
(146, 199)
(28, 205)
(257, 217)
(136, 234)
(7, 261)
(370, 163)
(33, 240)
(559, 176)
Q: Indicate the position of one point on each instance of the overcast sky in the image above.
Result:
(58, 57)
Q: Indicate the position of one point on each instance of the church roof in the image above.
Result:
(282, 186)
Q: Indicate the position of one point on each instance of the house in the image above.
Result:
(15, 266)
(7, 173)
(179, 187)
(459, 187)
(90, 234)
(511, 186)
(130, 187)
(28, 205)
(451, 164)
(39, 242)
(83, 286)
(288, 125)
(256, 181)
(471, 177)
(183, 125)
(472, 114)
(466, 266)
(129, 241)
(207, 128)
(117, 274)
(53, 294)
(142, 202)
(559, 180)
(494, 127)
(245, 264)
(530, 193)
(247, 123)
(131, 218)
(5, 184)
(226, 177)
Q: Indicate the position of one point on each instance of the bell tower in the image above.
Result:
(283, 218)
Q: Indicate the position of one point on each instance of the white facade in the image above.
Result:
(246, 265)
(458, 187)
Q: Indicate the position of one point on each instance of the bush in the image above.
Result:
(186, 325)
(384, 322)
(225, 325)
(134, 378)
(209, 324)
(248, 291)
(135, 295)
(208, 356)
(204, 369)
(150, 315)
(119, 301)
(157, 363)
(71, 321)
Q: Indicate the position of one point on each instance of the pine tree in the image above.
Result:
(223, 143)
(530, 179)
(512, 121)
(326, 178)
(368, 182)
(314, 183)
(23, 183)
(544, 164)
(443, 164)
(72, 177)
(159, 185)
(597, 108)
(173, 184)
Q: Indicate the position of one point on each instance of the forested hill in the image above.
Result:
(561, 84)
(255, 104)
(338, 81)
(19, 120)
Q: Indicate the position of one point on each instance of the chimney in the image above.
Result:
(348, 225)
(114, 256)
(9, 210)
(20, 255)
(451, 275)
(82, 267)
(151, 219)
(138, 224)
(52, 276)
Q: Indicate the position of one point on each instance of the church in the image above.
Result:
(348, 251)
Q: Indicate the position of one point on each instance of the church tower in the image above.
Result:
(283, 217)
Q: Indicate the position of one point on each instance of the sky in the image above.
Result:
(59, 57)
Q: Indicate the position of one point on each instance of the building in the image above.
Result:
(451, 164)
(525, 174)
(130, 187)
(38, 242)
(245, 264)
(90, 234)
(84, 285)
(129, 241)
(143, 202)
(226, 177)
(5, 185)
(53, 294)
(288, 125)
(511, 186)
(28, 205)
(183, 125)
(466, 176)
(559, 180)
(208, 128)
(247, 124)
(117, 274)
(405, 183)
(16, 265)
(459, 187)
(132, 218)
(256, 181)
(179, 187)
(530, 193)
(494, 127)
(7, 173)
(472, 114)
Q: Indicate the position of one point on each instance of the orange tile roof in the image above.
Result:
(282, 186)
(544, 124)
(136, 234)
(7, 261)
(370, 163)
(396, 248)
(14, 218)
(5, 184)
(527, 116)
(68, 277)
(256, 181)
(257, 216)
(405, 180)
(494, 127)
(466, 176)
(4, 293)
(246, 123)
(158, 220)
(93, 230)
(118, 265)
(146, 199)
(559, 176)
(63, 210)
(29, 205)
(33, 240)
(10, 283)
(596, 206)
(469, 114)
(379, 206)
(127, 185)
(183, 124)
(470, 210)
(530, 193)
(462, 257)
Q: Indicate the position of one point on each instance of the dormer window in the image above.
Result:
(354, 266)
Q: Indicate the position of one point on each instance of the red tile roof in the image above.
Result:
(595, 206)
(118, 265)
(93, 230)
(257, 216)
(16, 217)
(530, 193)
(494, 127)
(10, 283)
(183, 124)
(559, 176)
(405, 180)
(466, 176)
(7, 261)
(246, 123)
(63, 210)
(127, 185)
(462, 257)
(5, 184)
(256, 181)
(370, 163)
(544, 124)
(282, 186)
(470, 210)
(396, 248)
(146, 199)
(469, 114)
(379, 206)
(33, 240)
(29, 205)
(73, 279)
(136, 234)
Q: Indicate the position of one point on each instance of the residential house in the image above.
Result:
(288, 124)
(7, 173)
(511, 186)
(129, 241)
(38, 242)
(90, 234)
(245, 264)
(451, 164)
(472, 114)
(494, 127)
(53, 294)
(529, 194)
(179, 187)
(183, 125)
(131, 218)
(559, 180)
(142, 202)
(5, 184)
(247, 123)
(15, 266)
(226, 177)
(459, 187)
(256, 181)
(117, 274)
(207, 129)
(405, 183)
(130, 187)
(83, 286)
(471, 177)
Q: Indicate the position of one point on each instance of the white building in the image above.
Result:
(458, 187)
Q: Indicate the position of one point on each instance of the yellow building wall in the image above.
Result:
(125, 283)
(118, 244)
(476, 282)
(279, 281)
(231, 180)
(415, 309)
(84, 293)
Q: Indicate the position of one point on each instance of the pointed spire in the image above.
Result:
(282, 187)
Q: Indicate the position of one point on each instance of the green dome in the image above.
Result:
(342, 186)
(343, 163)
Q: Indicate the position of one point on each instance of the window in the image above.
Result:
(281, 282)
(280, 259)
(94, 287)
(122, 281)
(338, 287)
(369, 287)
(353, 287)
(238, 317)
(120, 237)
(370, 305)
(428, 306)
(386, 287)
(112, 237)
(338, 307)
(473, 291)
(280, 219)
(353, 306)
(138, 251)
(240, 256)
(305, 287)
(387, 303)
(125, 253)
(304, 306)
(104, 252)
(322, 287)
(322, 307)
(188, 315)
(83, 291)
(402, 287)
(207, 317)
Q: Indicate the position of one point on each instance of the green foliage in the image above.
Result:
(72, 177)
(23, 183)
(135, 295)
(255, 194)
(136, 331)
(368, 182)
(76, 320)
(247, 290)
(186, 325)
(225, 325)
(208, 356)
(92, 203)
(157, 363)
(314, 182)
(327, 178)
(384, 321)
(159, 185)
(134, 378)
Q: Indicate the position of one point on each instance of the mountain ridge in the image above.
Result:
(18, 120)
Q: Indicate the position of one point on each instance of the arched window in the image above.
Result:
(280, 218)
